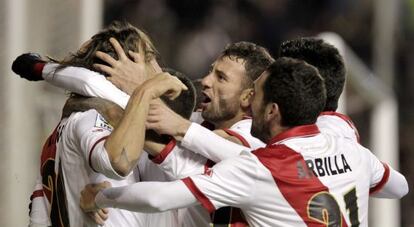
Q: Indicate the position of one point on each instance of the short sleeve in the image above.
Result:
(229, 183)
(379, 171)
(90, 131)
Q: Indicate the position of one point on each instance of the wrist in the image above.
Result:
(182, 130)
(100, 200)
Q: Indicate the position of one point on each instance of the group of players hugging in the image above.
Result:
(262, 146)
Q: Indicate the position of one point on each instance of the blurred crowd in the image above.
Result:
(189, 34)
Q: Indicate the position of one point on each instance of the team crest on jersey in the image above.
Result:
(102, 123)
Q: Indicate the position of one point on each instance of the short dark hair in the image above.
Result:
(256, 59)
(128, 36)
(325, 58)
(185, 103)
(298, 90)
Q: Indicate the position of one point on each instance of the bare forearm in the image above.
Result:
(125, 144)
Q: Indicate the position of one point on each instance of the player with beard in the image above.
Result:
(329, 63)
(226, 106)
(275, 185)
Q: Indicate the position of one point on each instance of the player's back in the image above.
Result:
(320, 178)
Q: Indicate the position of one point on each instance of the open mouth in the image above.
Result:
(206, 100)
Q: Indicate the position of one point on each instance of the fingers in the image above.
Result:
(136, 56)
(103, 214)
(97, 218)
(118, 49)
(105, 69)
(106, 58)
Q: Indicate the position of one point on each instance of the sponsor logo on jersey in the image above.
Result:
(102, 123)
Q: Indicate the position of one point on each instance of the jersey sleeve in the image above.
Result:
(229, 183)
(85, 82)
(147, 197)
(385, 181)
(379, 171)
(178, 162)
(90, 131)
(208, 144)
(39, 206)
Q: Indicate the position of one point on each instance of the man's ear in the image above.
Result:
(245, 97)
(272, 113)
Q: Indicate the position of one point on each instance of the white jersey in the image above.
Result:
(301, 178)
(179, 162)
(89, 83)
(74, 156)
(337, 124)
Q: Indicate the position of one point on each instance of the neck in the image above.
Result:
(228, 123)
(276, 130)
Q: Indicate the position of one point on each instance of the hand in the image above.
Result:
(29, 66)
(165, 121)
(99, 216)
(88, 194)
(161, 84)
(124, 73)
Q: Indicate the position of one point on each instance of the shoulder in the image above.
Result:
(82, 121)
(337, 123)
(241, 132)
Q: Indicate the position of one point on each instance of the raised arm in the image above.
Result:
(126, 142)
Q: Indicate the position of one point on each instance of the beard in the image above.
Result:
(260, 129)
(225, 110)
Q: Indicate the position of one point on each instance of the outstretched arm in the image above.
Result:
(213, 190)
(147, 197)
(194, 137)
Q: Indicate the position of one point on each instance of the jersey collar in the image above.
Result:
(298, 131)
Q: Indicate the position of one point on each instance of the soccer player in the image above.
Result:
(331, 67)
(275, 185)
(84, 148)
(226, 106)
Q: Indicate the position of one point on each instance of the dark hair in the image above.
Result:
(185, 103)
(256, 59)
(326, 59)
(127, 35)
(298, 90)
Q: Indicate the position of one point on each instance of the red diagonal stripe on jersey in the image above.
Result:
(164, 153)
(205, 202)
(282, 162)
(238, 136)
